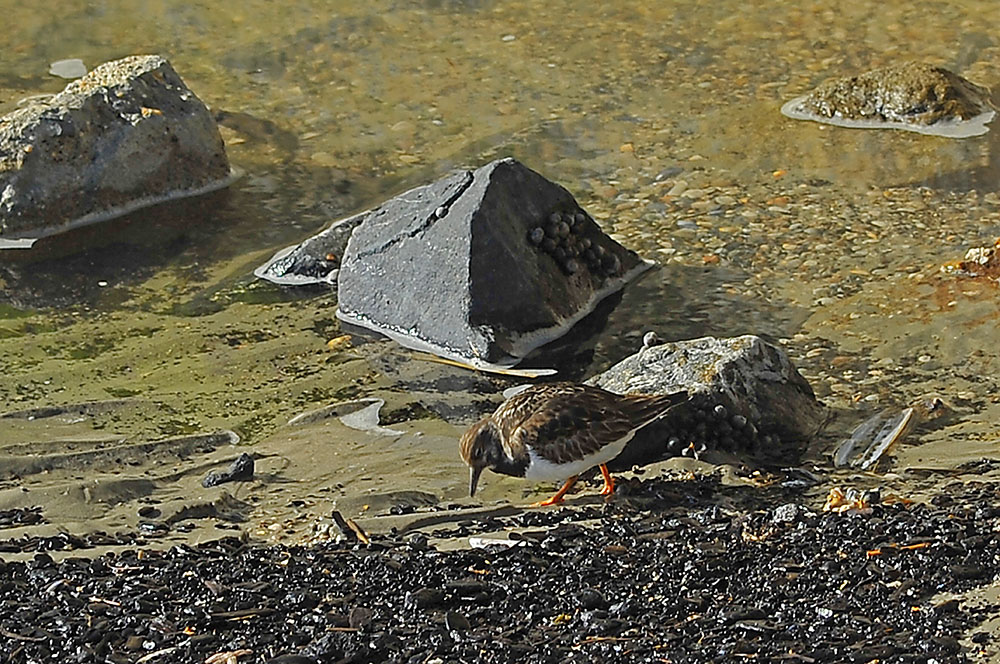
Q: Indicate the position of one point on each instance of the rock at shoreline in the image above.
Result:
(240, 470)
(482, 266)
(313, 261)
(127, 135)
(745, 396)
(912, 96)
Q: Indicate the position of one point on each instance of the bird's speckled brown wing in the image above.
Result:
(565, 422)
(517, 409)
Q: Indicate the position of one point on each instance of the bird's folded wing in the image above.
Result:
(569, 429)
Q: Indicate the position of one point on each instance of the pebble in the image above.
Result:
(456, 622)
(590, 598)
(679, 187)
(359, 617)
(424, 598)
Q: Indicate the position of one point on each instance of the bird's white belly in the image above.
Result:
(542, 470)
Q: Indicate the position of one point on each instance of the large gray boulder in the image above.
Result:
(126, 135)
(482, 266)
(745, 396)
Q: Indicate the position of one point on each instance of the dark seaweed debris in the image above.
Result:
(693, 585)
(22, 516)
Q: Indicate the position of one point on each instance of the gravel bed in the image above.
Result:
(664, 573)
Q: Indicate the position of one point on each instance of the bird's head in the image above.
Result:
(480, 448)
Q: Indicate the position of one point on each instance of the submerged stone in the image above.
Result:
(745, 396)
(127, 135)
(454, 267)
(911, 96)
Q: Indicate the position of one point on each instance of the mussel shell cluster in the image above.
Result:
(705, 424)
(573, 240)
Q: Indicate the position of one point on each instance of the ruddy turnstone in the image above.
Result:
(555, 432)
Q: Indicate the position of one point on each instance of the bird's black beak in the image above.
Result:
(474, 473)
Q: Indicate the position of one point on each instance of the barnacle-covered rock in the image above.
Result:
(745, 396)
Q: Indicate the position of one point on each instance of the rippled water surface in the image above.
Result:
(661, 118)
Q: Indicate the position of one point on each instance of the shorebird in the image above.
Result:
(555, 432)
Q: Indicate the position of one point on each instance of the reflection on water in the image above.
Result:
(661, 118)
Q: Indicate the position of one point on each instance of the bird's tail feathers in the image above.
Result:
(645, 408)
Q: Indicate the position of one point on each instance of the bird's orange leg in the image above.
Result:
(558, 498)
(609, 484)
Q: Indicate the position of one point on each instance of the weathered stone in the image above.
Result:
(126, 135)
(912, 96)
(745, 396)
(453, 267)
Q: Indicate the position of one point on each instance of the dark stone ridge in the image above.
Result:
(676, 578)
(745, 396)
(314, 261)
(481, 266)
(240, 470)
(128, 134)
(911, 96)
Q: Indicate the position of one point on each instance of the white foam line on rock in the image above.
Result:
(421, 345)
(528, 342)
(974, 126)
(24, 241)
(21, 243)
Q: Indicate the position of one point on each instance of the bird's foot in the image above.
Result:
(558, 498)
(554, 500)
(609, 483)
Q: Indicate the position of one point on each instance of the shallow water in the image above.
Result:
(661, 118)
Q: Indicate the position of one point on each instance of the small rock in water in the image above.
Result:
(72, 68)
(505, 270)
(911, 96)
